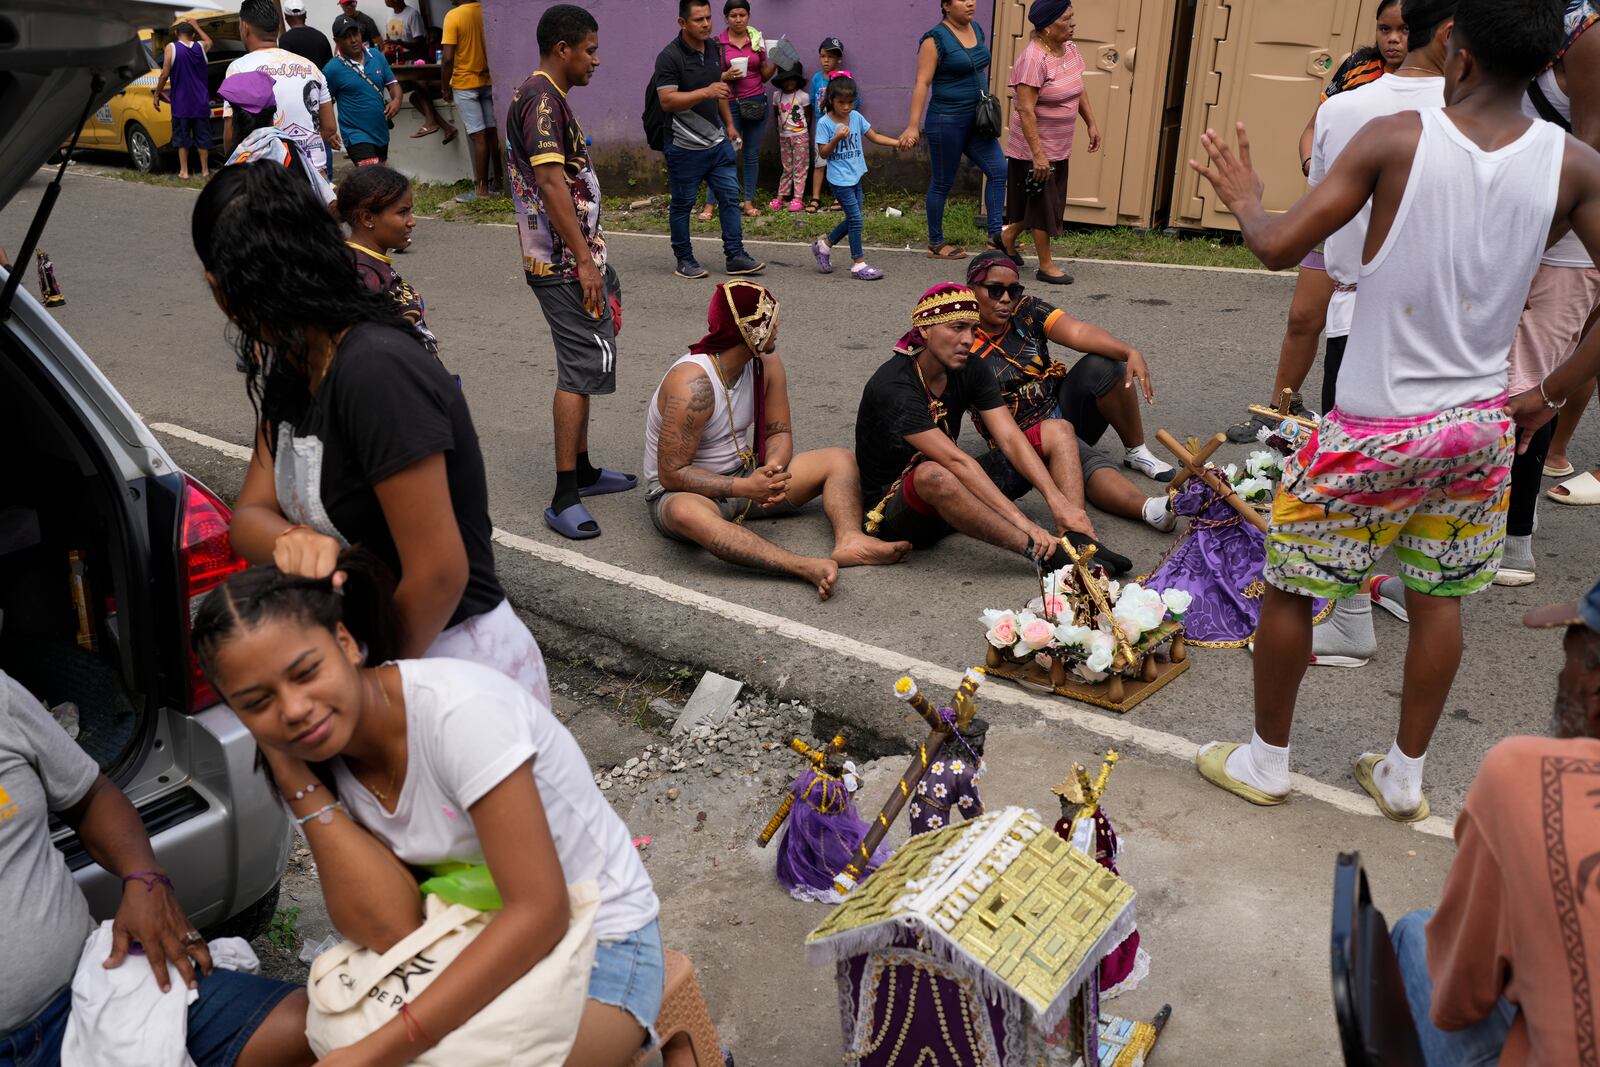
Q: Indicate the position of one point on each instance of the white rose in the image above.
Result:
(1001, 628)
(1177, 601)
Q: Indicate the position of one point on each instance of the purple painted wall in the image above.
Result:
(880, 39)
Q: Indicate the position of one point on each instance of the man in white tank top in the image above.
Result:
(1416, 455)
(1347, 638)
(716, 454)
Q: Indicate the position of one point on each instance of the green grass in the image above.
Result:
(284, 930)
(963, 224)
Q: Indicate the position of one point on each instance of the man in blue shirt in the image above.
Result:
(365, 91)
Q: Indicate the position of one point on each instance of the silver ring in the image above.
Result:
(192, 937)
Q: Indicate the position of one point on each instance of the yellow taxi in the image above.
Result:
(130, 124)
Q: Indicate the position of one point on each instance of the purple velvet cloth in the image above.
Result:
(1218, 562)
(822, 834)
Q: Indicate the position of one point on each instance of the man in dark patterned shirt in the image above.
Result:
(557, 199)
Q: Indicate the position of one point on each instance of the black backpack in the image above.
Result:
(655, 119)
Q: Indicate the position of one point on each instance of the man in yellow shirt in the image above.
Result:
(465, 77)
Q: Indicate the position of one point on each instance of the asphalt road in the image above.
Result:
(137, 303)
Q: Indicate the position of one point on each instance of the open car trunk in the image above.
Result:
(70, 589)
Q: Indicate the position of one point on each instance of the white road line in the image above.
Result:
(1119, 730)
(227, 448)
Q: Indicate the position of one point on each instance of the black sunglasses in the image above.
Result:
(1014, 290)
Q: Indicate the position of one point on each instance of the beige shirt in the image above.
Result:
(1520, 915)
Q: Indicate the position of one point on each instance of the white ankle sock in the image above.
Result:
(1159, 514)
(1399, 779)
(1261, 765)
(1346, 636)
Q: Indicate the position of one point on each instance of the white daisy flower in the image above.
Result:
(956, 766)
(937, 768)
(934, 822)
(940, 790)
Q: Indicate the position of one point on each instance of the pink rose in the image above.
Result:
(1005, 631)
(1038, 633)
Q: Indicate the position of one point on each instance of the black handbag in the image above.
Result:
(753, 108)
(987, 121)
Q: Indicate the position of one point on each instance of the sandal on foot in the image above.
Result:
(571, 522)
(946, 251)
(1212, 763)
(1365, 766)
(707, 213)
(1580, 491)
(865, 273)
(424, 131)
(1559, 472)
(609, 482)
(813, 206)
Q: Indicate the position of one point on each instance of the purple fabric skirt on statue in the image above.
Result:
(822, 834)
(1218, 562)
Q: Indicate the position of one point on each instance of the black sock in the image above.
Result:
(566, 491)
(587, 474)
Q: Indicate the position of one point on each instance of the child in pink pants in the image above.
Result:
(794, 141)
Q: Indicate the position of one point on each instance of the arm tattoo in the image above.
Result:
(683, 423)
(775, 427)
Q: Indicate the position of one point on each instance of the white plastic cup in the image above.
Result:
(740, 65)
(893, 212)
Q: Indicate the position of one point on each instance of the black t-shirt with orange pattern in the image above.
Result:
(1020, 361)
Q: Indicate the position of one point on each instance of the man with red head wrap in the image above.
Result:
(719, 449)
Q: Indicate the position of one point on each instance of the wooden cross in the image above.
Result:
(940, 731)
(818, 758)
(1281, 412)
(1080, 563)
(1218, 484)
(1201, 456)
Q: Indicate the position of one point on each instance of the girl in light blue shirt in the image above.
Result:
(840, 132)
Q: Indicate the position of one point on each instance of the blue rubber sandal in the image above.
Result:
(571, 521)
(610, 482)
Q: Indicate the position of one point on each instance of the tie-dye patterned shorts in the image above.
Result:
(1432, 486)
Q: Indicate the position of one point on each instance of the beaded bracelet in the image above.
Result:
(307, 791)
(151, 879)
(323, 814)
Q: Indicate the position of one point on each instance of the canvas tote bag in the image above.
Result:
(354, 990)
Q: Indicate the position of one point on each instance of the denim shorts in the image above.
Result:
(221, 1022)
(476, 108)
(631, 974)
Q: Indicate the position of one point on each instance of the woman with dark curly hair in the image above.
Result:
(362, 438)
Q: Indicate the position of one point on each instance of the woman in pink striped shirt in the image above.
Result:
(1047, 83)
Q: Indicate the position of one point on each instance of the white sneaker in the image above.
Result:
(1159, 515)
(1148, 464)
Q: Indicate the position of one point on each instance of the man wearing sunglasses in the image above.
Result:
(1101, 390)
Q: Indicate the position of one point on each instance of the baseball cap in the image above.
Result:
(294, 7)
(251, 90)
(1582, 612)
(344, 24)
(831, 44)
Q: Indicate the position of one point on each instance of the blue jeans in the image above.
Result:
(949, 137)
(1478, 1045)
(716, 167)
(850, 197)
(752, 133)
(230, 1009)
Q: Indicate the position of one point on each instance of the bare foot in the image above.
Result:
(708, 213)
(822, 573)
(860, 550)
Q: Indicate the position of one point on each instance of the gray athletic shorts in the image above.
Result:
(586, 347)
(737, 511)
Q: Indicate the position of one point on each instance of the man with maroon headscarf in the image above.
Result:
(719, 449)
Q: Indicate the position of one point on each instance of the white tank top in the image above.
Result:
(721, 440)
(1569, 251)
(1439, 303)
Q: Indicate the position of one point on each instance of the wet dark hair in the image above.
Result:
(1512, 40)
(566, 24)
(1386, 5)
(260, 15)
(364, 604)
(282, 267)
(1423, 19)
(686, 6)
(732, 5)
(371, 188)
(843, 85)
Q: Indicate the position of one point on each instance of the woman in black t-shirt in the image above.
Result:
(362, 438)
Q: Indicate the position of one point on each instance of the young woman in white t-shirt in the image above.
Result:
(432, 761)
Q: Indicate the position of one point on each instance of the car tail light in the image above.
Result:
(205, 560)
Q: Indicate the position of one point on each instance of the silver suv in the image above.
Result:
(105, 544)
